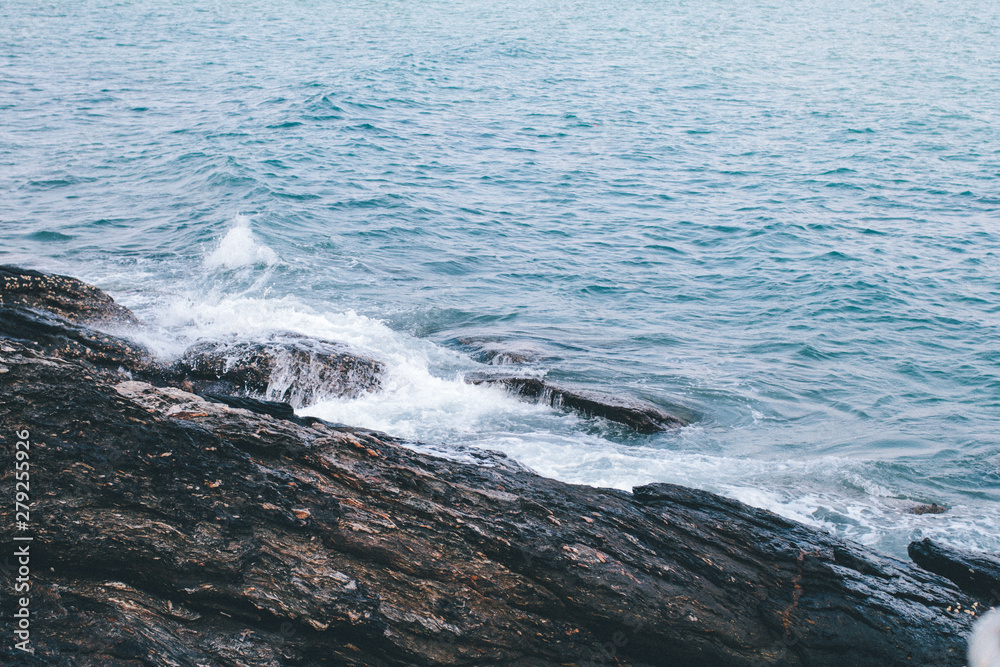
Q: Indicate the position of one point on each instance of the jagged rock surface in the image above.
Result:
(49, 313)
(285, 367)
(640, 415)
(976, 574)
(67, 297)
(171, 530)
(57, 336)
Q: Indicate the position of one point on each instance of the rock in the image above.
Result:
(642, 416)
(169, 529)
(57, 336)
(173, 530)
(261, 407)
(933, 508)
(490, 350)
(502, 355)
(64, 296)
(48, 312)
(285, 367)
(976, 574)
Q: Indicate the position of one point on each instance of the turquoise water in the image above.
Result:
(781, 216)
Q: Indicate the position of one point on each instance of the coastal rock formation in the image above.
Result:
(285, 367)
(932, 508)
(48, 312)
(976, 574)
(640, 415)
(67, 297)
(55, 335)
(173, 530)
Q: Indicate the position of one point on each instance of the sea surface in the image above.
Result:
(782, 217)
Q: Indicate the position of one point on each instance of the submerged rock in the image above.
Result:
(932, 508)
(976, 574)
(490, 350)
(642, 416)
(285, 367)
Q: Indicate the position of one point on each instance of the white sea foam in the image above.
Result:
(984, 644)
(189, 317)
(416, 404)
(239, 248)
(423, 396)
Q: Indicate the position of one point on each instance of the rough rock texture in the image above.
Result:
(976, 574)
(932, 508)
(172, 530)
(60, 337)
(48, 312)
(642, 416)
(68, 297)
(285, 367)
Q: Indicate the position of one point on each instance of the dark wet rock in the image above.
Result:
(64, 296)
(932, 508)
(260, 406)
(57, 336)
(977, 574)
(174, 530)
(47, 312)
(642, 416)
(285, 367)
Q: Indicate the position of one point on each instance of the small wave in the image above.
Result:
(54, 183)
(239, 248)
(49, 236)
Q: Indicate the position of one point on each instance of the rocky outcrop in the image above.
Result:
(173, 530)
(285, 367)
(976, 574)
(48, 313)
(67, 297)
(57, 336)
(498, 352)
(924, 508)
(640, 415)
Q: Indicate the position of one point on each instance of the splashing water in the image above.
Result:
(239, 248)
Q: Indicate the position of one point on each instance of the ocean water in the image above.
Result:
(781, 216)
